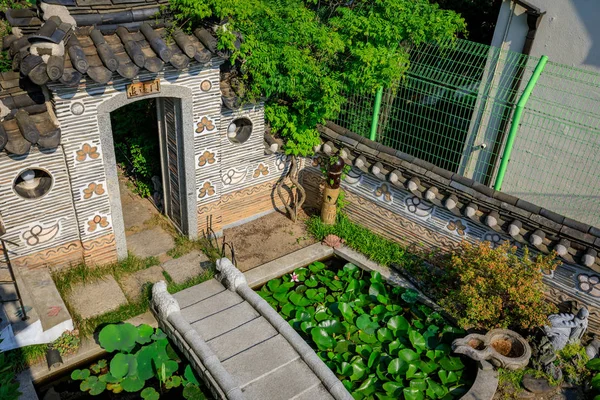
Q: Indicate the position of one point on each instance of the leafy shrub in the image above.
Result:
(141, 353)
(484, 287)
(377, 339)
(594, 366)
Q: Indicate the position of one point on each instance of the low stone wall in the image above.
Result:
(417, 204)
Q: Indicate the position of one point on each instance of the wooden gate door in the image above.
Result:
(169, 117)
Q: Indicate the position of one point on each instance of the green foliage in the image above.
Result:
(9, 387)
(67, 343)
(301, 55)
(485, 287)
(5, 62)
(572, 360)
(135, 133)
(142, 354)
(594, 366)
(375, 247)
(377, 343)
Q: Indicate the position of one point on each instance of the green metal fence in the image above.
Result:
(457, 104)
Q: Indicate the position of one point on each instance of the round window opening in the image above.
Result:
(33, 183)
(239, 130)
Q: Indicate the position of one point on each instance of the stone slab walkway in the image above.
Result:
(260, 359)
(240, 345)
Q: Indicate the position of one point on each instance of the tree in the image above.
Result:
(300, 56)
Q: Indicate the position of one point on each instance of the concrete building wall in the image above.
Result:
(555, 154)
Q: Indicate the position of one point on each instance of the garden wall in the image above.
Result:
(418, 204)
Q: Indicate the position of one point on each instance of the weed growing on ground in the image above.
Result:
(65, 279)
(21, 358)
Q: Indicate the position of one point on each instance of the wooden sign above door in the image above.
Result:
(143, 88)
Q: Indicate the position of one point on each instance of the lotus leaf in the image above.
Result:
(451, 363)
(365, 337)
(417, 340)
(398, 366)
(132, 384)
(144, 334)
(189, 375)
(368, 386)
(322, 338)
(114, 387)
(359, 369)
(150, 393)
(376, 289)
(80, 374)
(332, 326)
(398, 323)
(392, 388)
(316, 266)
(410, 296)
(299, 299)
(120, 365)
(121, 337)
(384, 335)
(108, 378)
(408, 355)
(366, 325)
(159, 334)
(193, 392)
(93, 385)
(413, 394)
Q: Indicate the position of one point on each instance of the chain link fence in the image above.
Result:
(455, 108)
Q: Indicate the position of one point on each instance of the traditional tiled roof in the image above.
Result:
(27, 117)
(574, 241)
(60, 52)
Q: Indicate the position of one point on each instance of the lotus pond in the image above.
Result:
(141, 364)
(378, 339)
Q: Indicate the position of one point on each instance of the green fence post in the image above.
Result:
(376, 108)
(514, 127)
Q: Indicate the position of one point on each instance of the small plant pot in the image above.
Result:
(53, 358)
(501, 347)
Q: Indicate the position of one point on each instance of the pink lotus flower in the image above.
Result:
(294, 277)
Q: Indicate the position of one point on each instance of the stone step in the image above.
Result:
(284, 383)
(47, 302)
(197, 293)
(186, 267)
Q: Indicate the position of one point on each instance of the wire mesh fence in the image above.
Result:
(455, 107)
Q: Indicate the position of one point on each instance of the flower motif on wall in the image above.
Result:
(206, 190)
(457, 226)
(87, 151)
(589, 284)
(384, 191)
(261, 170)
(205, 125)
(38, 234)
(418, 207)
(206, 158)
(93, 189)
(233, 177)
(97, 221)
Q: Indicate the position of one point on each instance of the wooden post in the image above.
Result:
(332, 192)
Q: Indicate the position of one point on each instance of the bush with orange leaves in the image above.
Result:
(484, 287)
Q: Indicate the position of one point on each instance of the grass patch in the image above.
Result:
(375, 247)
(183, 245)
(23, 357)
(67, 278)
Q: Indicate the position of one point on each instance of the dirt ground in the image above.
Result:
(267, 238)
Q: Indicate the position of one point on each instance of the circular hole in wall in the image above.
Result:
(239, 130)
(32, 183)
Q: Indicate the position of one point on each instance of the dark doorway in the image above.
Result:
(137, 140)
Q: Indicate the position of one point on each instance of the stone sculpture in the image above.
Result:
(229, 275)
(484, 348)
(566, 328)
